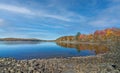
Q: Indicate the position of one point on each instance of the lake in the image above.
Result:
(34, 50)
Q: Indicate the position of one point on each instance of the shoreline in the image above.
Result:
(76, 42)
(91, 64)
(73, 57)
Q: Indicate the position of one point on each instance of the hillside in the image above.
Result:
(109, 34)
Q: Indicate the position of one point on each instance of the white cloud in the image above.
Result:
(1, 21)
(104, 22)
(63, 16)
(16, 9)
(67, 16)
(107, 17)
(58, 17)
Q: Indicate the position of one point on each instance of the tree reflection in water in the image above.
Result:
(99, 49)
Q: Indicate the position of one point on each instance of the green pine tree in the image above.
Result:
(77, 36)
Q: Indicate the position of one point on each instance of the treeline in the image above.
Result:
(109, 34)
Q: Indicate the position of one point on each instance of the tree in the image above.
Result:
(77, 36)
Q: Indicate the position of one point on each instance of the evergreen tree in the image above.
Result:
(77, 36)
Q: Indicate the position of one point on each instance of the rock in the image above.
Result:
(114, 66)
(109, 68)
(115, 71)
(69, 71)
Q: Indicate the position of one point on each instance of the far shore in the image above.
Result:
(25, 39)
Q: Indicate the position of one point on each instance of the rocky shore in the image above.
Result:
(106, 63)
(62, 65)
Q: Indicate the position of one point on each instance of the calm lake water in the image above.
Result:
(32, 50)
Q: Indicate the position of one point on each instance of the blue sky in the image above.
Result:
(50, 19)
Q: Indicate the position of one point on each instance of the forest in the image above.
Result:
(106, 35)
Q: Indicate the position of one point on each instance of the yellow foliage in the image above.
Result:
(109, 33)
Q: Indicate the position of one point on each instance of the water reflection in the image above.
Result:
(19, 42)
(98, 49)
(37, 49)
